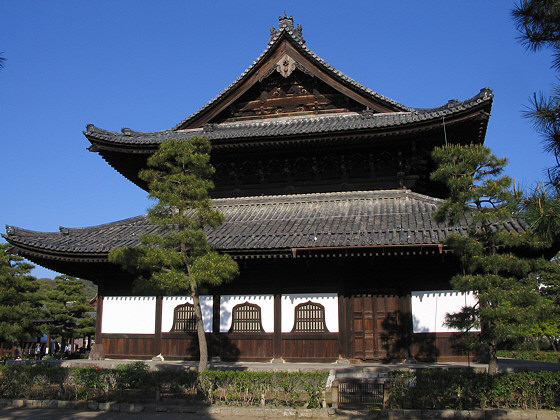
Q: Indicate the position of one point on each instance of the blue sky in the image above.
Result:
(148, 65)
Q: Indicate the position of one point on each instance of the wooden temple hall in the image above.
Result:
(325, 187)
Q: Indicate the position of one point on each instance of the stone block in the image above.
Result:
(64, 404)
(17, 403)
(93, 405)
(521, 414)
(104, 406)
(79, 405)
(126, 408)
(547, 415)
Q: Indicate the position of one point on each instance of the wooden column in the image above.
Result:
(277, 339)
(344, 326)
(157, 330)
(407, 324)
(98, 351)
(215, 343)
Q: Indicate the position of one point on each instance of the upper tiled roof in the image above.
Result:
(286, 29)
(289, 126)
(400, 116)
(272, 225)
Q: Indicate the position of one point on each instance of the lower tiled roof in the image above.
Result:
(273, 224)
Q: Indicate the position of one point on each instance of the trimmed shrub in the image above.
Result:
(466, 389)
(259, 388)
(539, 356)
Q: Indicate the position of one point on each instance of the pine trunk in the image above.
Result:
(202, 345)
(492, 358)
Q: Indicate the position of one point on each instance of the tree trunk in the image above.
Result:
(552, 342)
(202, 345)
(492, 358)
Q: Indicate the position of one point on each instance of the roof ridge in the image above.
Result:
(324, 196)
(285, 28)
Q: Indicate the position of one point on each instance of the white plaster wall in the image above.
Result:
(328, 300)
(430, 307)
(266, 303)
(129, 315)
(170, 302)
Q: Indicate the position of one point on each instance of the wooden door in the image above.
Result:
(375, 321)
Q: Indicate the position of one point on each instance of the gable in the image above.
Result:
(279, 95)
(288, 79)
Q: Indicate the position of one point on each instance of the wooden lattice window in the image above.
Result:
(184, 319)
(310, 317)
(246, 317)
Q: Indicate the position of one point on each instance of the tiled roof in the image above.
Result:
(289, 126)
(271, 224)
(286, 29)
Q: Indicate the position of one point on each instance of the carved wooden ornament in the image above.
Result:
(286, 65)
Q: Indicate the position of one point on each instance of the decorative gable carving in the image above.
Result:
(286, 65)
(287, 55)
(288, 91)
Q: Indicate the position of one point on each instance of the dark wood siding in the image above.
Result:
(321, 347)
(378, 327)
(246, 346)
(128, 346)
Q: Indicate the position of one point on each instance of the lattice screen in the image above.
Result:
(310, 317)
(246, 317)
(184, 319)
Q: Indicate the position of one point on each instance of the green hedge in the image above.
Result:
(135, 382)
(540, 356)
(466, 389)
(128, 382)
(259, 388)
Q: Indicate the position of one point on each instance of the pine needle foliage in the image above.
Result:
(67, 310)
(503, 268)
(20, 306)
(538, 22)
(177, 257)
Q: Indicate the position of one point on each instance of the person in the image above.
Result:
(38, 351)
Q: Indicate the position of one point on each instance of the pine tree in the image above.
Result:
(503, 268)
(20, 306)
(66, 310)
(539, 24)
(178, 257)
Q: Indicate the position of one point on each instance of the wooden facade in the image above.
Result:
(371, 328)
(325, 187)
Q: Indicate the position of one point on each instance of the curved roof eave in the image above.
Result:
(289, 126)
(326, 221)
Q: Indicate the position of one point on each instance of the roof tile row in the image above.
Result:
(286, 126)
(342, 219)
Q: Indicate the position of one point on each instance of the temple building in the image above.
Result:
(325, 187)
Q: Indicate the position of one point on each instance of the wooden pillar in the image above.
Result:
(277, 338)
(48, 349)
(98, 351)
(343, 327)
(157, 329)
(407, 325)
(215, 342)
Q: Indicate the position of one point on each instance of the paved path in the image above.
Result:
(64, 414)
(505, 365)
